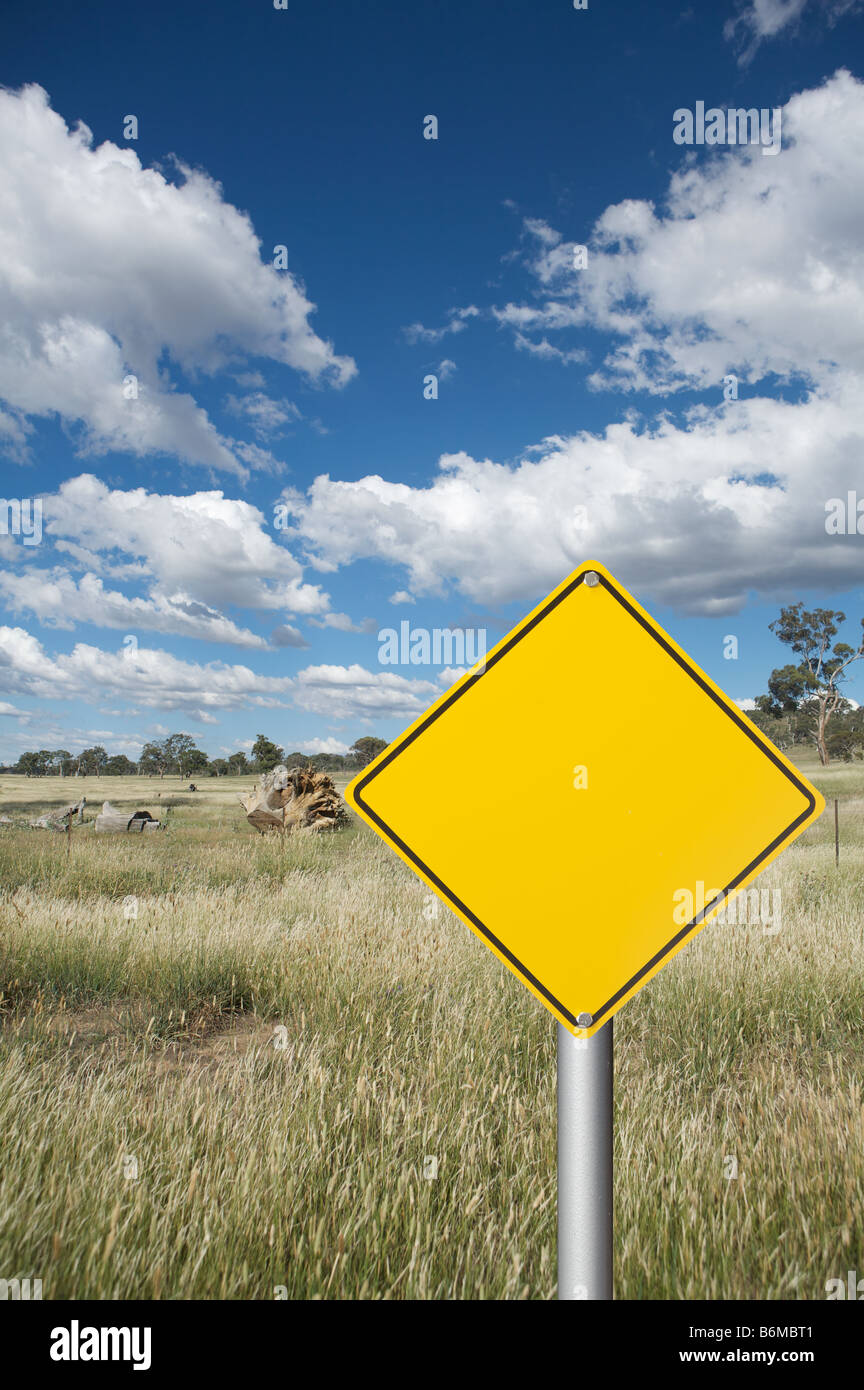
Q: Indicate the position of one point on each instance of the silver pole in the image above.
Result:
(585, 1165)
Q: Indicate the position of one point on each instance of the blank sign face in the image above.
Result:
(586, 799)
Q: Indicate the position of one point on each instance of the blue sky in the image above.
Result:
(579, 412)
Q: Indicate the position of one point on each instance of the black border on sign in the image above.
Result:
(466, 911)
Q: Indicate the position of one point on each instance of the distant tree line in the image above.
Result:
(179, 755)
(788, 729)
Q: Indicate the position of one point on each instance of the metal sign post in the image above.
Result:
(585, 1165)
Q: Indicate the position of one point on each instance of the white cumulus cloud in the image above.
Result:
(157, 680)
(58, 600)
(698, 514)
(752, 266)
(320, 745)
(205, 547)
(343, 692)
(108, 269)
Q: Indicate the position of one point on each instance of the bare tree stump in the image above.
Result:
(295, 800)
(60, 820)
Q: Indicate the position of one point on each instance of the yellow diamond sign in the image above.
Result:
(642, 784)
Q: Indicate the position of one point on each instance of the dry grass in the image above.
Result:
(283, 1037)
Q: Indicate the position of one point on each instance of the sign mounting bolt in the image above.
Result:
(592, 579)
(585, 1020)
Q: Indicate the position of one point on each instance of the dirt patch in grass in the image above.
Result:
(207, 1041)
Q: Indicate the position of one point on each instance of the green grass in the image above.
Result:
(281, 1036)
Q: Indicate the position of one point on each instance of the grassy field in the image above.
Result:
(234, 1068)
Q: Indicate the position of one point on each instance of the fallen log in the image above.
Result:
(111, 819)
(296, 800)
